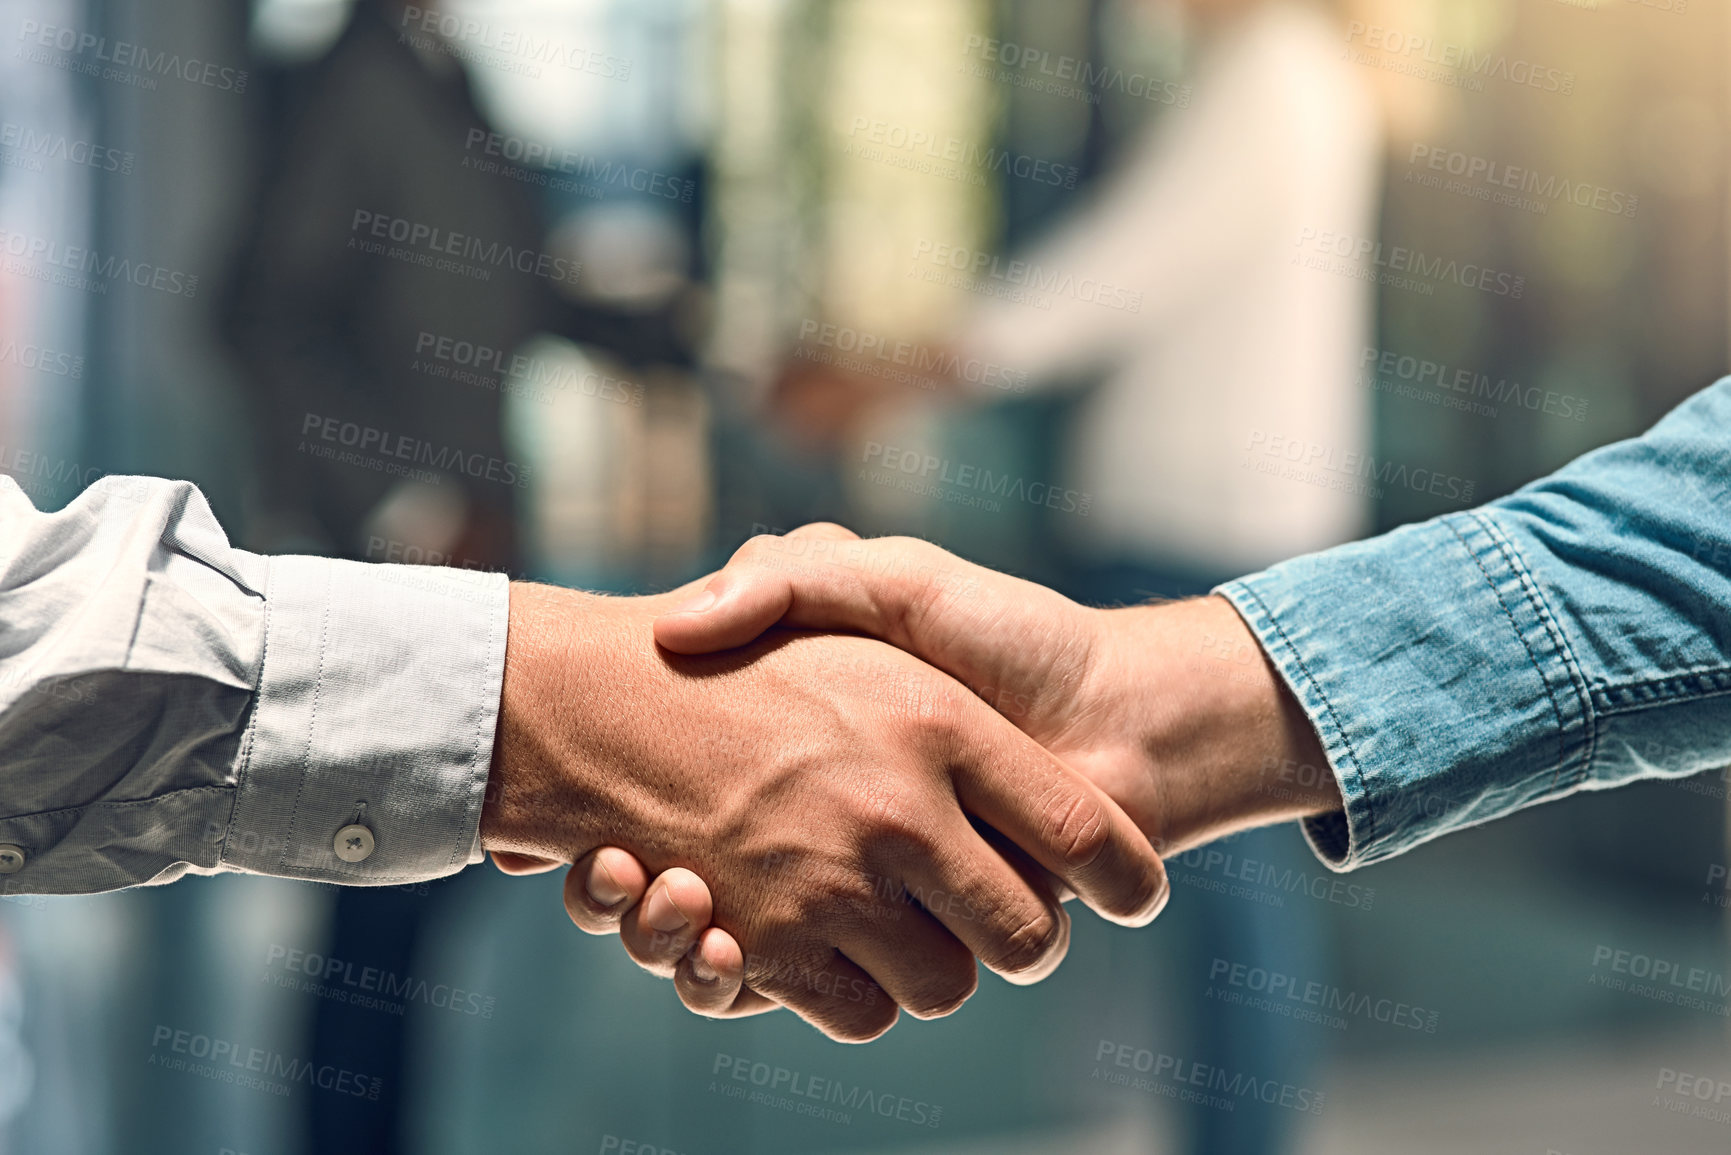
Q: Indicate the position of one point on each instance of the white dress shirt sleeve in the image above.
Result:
(170, 704)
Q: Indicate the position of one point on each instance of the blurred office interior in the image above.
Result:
(784, 229)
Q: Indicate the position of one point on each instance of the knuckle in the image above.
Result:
(943, 713)
(895, 821)
(871, 1023)
(826, 529)
(944, 996)
(1032, 941)
(1077, 830)
(755, 549)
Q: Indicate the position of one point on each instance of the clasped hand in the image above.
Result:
(842, 824)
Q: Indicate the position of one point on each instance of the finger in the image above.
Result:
(1064, 822)
(602, 886)
(822, 531)
(711, 979)
(510, 862)
(918, 963)
(827, 990)
(1041, 880)
(999, 913)
(758, 587)
(663, 927)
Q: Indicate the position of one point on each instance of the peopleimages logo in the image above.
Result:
(590, 175)
(1416, 52)
(38, 146)
(1437, 382)
(1070, 76)
(41, 259)
(1226, 866)
(804, 1094)
(866, 133)
(26, 466)
(987, 268)
(1301, 460)
(126, 56)
(501, 47)
(871, 352)
(1367, 257)
(933, 471)
(431, 241)
(1174, 1077)
(42, 360)
(371, 987)
(1661, 972)
(1294, 997)
(226, 1061)
(403, 448)
(472, 363)
(1486, 179)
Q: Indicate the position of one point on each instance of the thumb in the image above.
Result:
(731, 610)
(741, 601)
(511, 862)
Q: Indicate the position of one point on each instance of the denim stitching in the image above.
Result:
(1346, 739)
(1663, 699)
(1531, 657)
(1576, 677)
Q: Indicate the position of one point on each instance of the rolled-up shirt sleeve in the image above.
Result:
(1575, 635)
(170, 704)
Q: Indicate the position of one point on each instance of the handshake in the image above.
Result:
(859, 768)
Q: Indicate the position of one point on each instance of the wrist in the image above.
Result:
(1224, 744)
(545, 794)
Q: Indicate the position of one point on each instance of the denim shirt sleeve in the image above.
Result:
(1575, 635)
(172, 705)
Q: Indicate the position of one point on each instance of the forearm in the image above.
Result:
(1572, 636)
(1222, 741)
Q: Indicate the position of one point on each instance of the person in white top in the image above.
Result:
(1231, 339)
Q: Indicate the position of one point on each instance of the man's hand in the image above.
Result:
(822, 786)
(1171, 709)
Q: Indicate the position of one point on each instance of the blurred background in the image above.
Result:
(1125, 296)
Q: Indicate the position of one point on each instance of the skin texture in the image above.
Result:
(824, 786)
(1172, 709)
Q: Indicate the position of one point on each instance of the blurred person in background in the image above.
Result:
(378, 137)
(1229, 340)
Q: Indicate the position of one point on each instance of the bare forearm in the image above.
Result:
(1224, 744)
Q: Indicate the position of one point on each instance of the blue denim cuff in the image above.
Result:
(1440, 684)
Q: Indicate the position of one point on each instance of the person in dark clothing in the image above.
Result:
(377, 237)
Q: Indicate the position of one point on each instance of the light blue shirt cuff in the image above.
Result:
(376, 706)
(1436, 676)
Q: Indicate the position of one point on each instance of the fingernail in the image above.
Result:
(701, 971)
(602, 887)
(660, 913)
(702, 601)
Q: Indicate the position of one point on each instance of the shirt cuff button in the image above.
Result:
(354, 843)
(11, 858)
